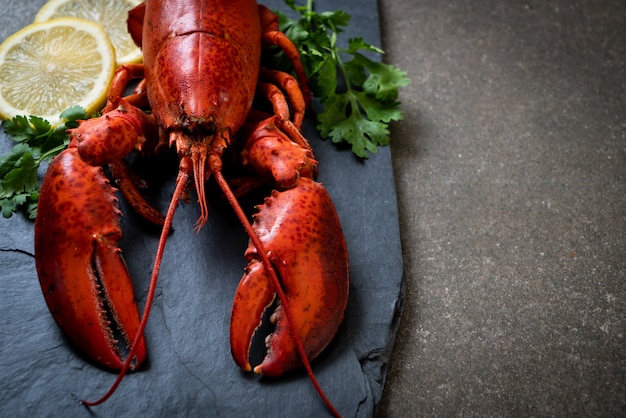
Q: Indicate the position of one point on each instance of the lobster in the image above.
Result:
(200, 81)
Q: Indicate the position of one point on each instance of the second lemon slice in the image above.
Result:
(112, 15)
(50, 66)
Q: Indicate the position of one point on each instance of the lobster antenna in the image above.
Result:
(215, 164)
(181, 183)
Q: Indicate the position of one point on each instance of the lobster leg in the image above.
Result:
(280, 107)
(312, 266)
(273, 36)
(298, 226)
(110, 138)
(80, 268)
(276, 97)
(121, 79)
(127, 181)
(82, 274)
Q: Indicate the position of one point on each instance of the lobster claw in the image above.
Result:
(83, 276)
(300, 230)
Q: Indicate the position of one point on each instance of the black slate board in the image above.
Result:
(190, 371)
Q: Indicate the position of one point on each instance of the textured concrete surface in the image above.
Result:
(511, 176)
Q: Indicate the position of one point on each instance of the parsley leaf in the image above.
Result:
(358, 108)
(37, 141)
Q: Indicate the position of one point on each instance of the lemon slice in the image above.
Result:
(112, 15)
(48, 67)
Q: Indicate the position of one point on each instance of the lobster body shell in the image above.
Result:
(221, 43)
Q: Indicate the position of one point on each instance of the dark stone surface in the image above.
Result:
(190, 371)
(511, 175)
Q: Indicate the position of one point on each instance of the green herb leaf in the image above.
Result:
(22, 177)
(360, 115)
(37, 141)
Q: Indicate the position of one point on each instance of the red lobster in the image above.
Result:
(200, 75)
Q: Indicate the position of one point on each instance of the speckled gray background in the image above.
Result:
(511, 176)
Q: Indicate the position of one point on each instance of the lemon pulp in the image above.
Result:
(50, 66)
(112, 15)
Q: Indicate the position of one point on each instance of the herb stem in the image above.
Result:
(51, 152)
(309, 9)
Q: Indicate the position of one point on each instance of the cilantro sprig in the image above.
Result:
(37, 142)
(359, 111)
